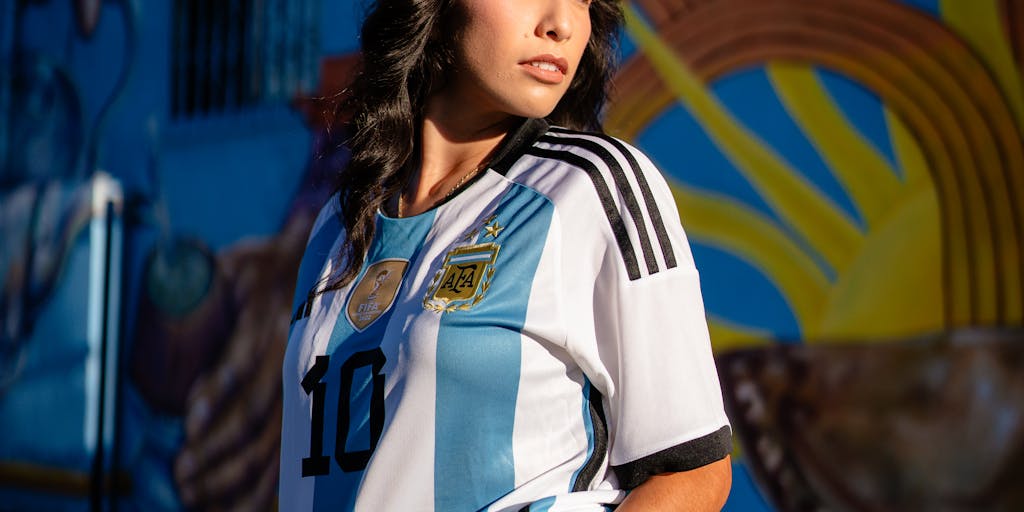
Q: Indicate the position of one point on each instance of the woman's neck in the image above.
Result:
(453, 144)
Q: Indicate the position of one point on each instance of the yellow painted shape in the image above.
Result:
(909, 156)
(812, 214)
(725, 223)
(894, 288)
(979, 22)
(726, 335)
(737, 450)
(860, 168)
(917, 177)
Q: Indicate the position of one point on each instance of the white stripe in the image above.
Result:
(298, 410)
(548, 433)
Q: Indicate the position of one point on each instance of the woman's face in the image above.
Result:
(516, 57)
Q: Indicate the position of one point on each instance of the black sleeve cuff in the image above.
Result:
(683, 457)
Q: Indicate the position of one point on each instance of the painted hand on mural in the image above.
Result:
(229, 459)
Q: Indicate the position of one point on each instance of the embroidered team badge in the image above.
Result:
(375, 292)
(463, 279)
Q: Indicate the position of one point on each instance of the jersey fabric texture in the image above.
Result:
(536, 342)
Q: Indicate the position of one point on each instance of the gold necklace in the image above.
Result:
(462, 180)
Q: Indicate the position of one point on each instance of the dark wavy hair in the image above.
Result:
(404, 58)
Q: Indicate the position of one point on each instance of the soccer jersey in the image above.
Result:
(536, 342)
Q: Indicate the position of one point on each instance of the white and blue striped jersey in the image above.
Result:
(536, 342)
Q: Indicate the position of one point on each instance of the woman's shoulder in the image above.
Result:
(591, 176)
(588, 170)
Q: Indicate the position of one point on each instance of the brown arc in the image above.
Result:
(660, 12)
(981, 108)
(1013, 21)
(933, 83)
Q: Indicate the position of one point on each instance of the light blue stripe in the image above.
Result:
(318, 251)
(479, 256)
(478, 363)
(588, 424)
(543, 505)
(395, 238)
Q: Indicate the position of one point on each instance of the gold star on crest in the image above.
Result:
(493, 230)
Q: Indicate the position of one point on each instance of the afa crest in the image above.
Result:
(463, 279)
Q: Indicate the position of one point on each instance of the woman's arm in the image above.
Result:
(703, 489)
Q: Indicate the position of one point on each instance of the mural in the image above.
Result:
(855, 170)
(850, 174)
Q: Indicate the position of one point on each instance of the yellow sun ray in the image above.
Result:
(894, 288)
(979, 22)
(911, 159)
(909, 156)
(725, 223)
(726, 335)
(812, 215)
(862, 170)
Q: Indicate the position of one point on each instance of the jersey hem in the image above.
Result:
(686, 456)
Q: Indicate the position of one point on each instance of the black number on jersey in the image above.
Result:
(317, 463)
(357, 460)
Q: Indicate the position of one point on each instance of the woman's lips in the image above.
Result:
(546, 68)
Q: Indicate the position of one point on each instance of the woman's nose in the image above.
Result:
(556, 21)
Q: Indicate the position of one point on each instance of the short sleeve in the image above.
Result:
(666, 412)
(664, 404)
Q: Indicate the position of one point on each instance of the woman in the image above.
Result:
(494, 313)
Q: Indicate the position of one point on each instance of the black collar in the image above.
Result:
(516, 143)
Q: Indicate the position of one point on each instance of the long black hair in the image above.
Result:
(404, 57)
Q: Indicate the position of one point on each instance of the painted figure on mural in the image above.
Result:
(233, 404)
(520, 349)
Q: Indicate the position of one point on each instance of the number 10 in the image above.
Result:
(317, 463)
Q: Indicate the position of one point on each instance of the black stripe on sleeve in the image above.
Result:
(600, 425)
(692, 454)
(622, 184)
(645, 189)
(617, 225)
